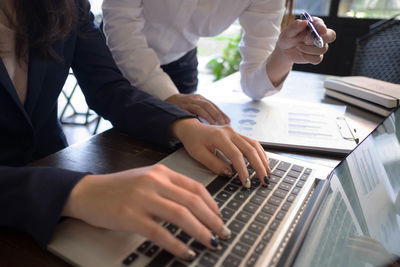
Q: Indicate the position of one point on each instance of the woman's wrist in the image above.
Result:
(178, 127)
(70, 207)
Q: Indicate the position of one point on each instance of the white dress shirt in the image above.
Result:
(144, 34)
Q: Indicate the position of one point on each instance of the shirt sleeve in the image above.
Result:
(111, 95)
(261, 27)
(123, 25)
(32, 198)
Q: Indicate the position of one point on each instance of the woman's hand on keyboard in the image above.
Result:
(136, 200)
(203, 141)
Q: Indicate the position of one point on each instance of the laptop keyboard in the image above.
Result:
(251, 214)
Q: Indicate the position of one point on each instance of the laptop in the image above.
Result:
(309, 215)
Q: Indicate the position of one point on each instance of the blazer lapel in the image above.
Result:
(9, 86)
(37, 68)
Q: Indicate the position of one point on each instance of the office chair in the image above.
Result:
(378, 52)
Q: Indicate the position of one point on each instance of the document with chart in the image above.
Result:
(290, 124)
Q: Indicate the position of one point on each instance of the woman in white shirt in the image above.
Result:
(153, 41)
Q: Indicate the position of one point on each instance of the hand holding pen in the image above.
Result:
(305, 40)
(317, 39)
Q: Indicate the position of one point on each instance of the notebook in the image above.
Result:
(307, 216)
(374, 95)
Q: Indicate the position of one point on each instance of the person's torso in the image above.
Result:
(173, 27)
(31, 130)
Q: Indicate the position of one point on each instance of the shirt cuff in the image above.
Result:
(257, 85)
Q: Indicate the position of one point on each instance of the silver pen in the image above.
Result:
(317, 39)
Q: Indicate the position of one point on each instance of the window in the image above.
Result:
(313, 7)
(95, 7)
(368, 8)
(372, 9)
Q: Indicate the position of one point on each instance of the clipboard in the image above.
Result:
(346, 131)
(268, 121)
(291, 125)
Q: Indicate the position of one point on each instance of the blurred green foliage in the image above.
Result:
(228, 62)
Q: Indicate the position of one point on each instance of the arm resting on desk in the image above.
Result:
(112, 96)
(32, 198)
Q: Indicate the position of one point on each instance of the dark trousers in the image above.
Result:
(183, 72)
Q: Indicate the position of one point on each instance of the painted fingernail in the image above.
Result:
(228, 172)
(248, 183)
(266, 179)
(233, 169)
(214, 242)
(190, 255)
(226, 233)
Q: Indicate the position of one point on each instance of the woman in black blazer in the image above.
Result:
(48, 38)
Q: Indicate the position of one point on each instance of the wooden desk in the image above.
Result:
(113, 151)
(110, 151)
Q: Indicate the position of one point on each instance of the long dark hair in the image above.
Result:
(39, 23)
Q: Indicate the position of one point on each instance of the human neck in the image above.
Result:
(6, 12)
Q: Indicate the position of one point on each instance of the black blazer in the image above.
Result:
(32, 198)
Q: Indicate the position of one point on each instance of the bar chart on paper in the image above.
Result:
(295, 125)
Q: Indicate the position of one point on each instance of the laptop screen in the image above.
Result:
(358, 222)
